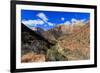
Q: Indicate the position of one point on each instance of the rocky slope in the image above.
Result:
(61, 43)
(78, 42)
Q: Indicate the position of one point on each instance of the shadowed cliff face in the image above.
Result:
(61, 43)
(32, 41)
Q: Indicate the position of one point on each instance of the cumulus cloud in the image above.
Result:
(73, 20)
(43, 17)
(42, 20)
(32, 22)
(50, 24)
(67, 23)
(35, 23)
(83, 20)
(62, 18)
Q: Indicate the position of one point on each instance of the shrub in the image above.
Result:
(53, 54)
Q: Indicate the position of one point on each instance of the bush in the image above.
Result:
(53, 54)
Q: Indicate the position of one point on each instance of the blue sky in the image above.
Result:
(49, 19)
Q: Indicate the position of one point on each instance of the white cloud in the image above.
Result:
(33, 22)
(73, 20)
(83, 20)
(43, 17)
(67, 23)
(62, 18)
(50, 24)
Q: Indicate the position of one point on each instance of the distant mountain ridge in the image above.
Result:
(60, 30)
(64, 29)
